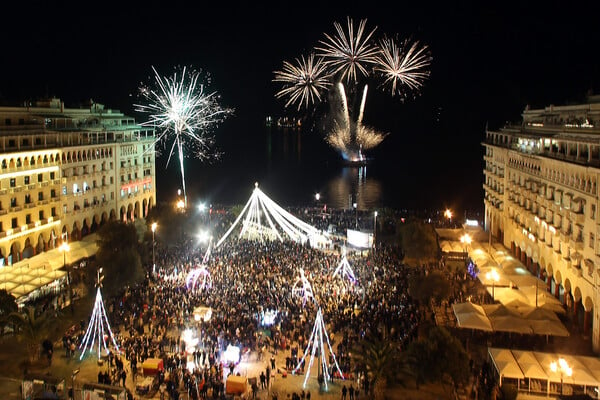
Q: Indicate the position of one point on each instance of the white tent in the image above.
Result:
(471, 316)
(505, 364)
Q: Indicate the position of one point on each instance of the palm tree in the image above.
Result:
(31, 329)
(379, 357)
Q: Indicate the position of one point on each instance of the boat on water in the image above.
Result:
(357, 159)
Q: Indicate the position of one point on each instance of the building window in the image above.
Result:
(593, 212)
(27, 198)
(13, 182)
(41, 215)
(40, 177)
(592, 240)
(26, 180)
(52, 175)
(28, 219)
(52, 193)
(64, 190)
(13, 223)
(53, 211)
(13, 202)
(40, 196)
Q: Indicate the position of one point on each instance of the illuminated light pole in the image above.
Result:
(355, 214)
(448, 214)
(466, 241)
(154, 225)
(64, 247)
(563, 367)
(494, 277)
(375, 230)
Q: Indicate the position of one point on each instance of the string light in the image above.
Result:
(316, 342)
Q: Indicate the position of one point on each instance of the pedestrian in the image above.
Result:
(123, 376)
(273, 362)
(351, 391)
(263, 380)
(254, 390)
(268, 374)
(344, 391)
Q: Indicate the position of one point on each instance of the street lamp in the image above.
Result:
(355, 214)
(375, 229)
(563, 367)
(466, 241)
(64, 247)
(317, 196)
(494, 277)
(154, 225)
(73, 375)
(448, 214)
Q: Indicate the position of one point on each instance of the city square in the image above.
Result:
(299, 201)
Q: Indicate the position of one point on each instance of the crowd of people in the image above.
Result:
(248, 278)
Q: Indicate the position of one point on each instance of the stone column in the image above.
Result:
(587, 319)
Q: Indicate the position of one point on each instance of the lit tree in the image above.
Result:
(99, 326)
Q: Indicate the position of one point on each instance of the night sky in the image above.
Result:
(489, 60)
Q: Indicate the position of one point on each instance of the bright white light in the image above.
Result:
(204, 236)
(231, 354)
(268, 317)
(318, 196)
(472, 222)
(201, 207)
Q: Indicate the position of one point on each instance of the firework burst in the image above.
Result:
(185, 112)
(405, 67)
(351, 53)
(303, 82)
(347, 56)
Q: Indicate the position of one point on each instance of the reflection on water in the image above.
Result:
(353, 186)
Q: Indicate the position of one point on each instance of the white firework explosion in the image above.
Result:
(349, 53)
(405, 67)
(303, 82)
(185, 112)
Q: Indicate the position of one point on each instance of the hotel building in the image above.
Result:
(541, 202)
(66, 171)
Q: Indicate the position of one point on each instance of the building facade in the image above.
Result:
(64, 172)
(541, 201)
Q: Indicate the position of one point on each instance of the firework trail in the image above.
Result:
(185, 113)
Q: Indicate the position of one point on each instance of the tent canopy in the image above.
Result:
(505, 363)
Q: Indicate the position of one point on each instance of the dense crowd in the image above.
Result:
(248, 279)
